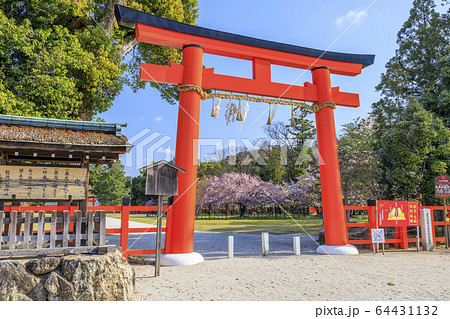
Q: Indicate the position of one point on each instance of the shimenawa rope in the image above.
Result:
(313, 108)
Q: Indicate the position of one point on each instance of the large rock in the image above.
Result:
(107, 277)
(17, 284)
(77, 277)
(44, 265)
(58, 288)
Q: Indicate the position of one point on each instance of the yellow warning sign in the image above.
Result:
(396, 214)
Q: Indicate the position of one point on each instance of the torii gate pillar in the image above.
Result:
(336, 238)
(180, 241)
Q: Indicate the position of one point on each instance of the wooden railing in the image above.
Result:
(400, 236)
(123, 231)
(57, 232)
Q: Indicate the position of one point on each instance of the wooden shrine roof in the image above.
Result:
(35, 139)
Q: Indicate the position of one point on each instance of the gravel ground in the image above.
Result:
(397, 275)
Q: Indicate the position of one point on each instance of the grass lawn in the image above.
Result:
(311, 224)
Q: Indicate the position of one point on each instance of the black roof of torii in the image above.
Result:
(128, 17)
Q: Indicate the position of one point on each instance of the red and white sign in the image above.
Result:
(378, 235)
(442, 186)
(397, 213)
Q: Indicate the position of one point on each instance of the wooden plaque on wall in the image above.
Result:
(43, 183)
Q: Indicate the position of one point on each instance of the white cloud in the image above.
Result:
(158, 118)
(352, 15)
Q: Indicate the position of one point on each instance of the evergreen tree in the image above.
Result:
(419, 67)
(138, 196)
(64, 59)
(412, 117)
(109, 183)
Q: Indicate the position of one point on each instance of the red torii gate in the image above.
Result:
(194, 41)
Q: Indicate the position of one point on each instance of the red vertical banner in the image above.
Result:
(413, 208)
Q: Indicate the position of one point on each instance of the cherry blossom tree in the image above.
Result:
(242, 190)
(302, 192)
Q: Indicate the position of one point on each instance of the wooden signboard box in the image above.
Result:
(162, 180)
(43, 183)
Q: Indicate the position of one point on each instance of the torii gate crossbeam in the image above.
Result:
(195, 41)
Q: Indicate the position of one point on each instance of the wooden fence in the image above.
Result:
(125, 230)
(14, 236)
(69, 232)
(397, 235)
(57, 232)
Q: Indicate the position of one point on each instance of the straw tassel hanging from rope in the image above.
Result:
(244, 115)
(216, 108)
(292, 117)
(239, 116)
(271, 114)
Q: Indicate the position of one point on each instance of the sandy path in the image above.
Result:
(283, 276)
(115, 223)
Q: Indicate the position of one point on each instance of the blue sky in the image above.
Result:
(315, 24)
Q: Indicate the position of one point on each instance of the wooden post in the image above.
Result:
(230, 246)
(66, 216)
(78, 216)
(90, 241)
(19, 214)
(40, 233)
(83, 208)
(73, 207)
(27, 232)
(158, 236)
(417, 239)
(2, 207)
(445, 224)
(12, 235)
(396, 236)
(1, 228)
(124, 229)
(102, 239)
(296, 240)
(31, 226)
(53, 229)
(404, 237)
(265, 244)
(372, 211)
